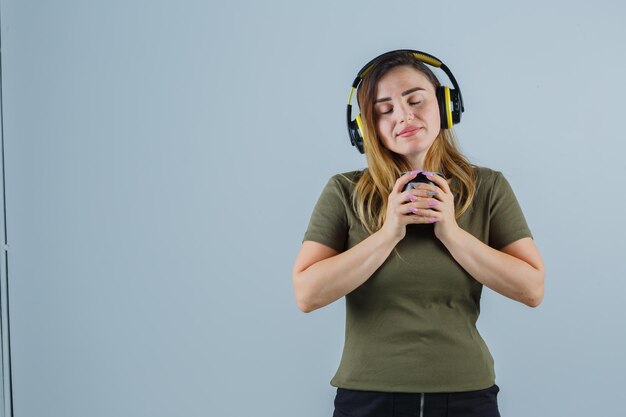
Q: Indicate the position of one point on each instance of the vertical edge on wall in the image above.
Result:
(6, 391)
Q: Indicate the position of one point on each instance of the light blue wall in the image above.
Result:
(163, 158)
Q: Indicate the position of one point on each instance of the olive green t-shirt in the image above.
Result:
(411, 327)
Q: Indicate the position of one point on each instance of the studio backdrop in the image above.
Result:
(161, 159)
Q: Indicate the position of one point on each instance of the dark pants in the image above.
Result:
(480, 403)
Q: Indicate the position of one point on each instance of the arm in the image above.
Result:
(321, 275)
(517, 271)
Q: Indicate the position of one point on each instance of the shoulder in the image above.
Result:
(346, 181)
(490, 183)
(487, 178)
(486, 174)
(339, 188)
(494, 186)
(350, 176)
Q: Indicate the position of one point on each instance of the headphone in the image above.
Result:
(450, 100)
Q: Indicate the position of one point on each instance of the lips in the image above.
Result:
(409, 130)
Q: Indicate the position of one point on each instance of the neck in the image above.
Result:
(416, 162)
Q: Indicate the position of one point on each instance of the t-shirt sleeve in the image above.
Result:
(329, 220)
(507, 222)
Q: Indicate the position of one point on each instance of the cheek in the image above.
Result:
(389, 127)
(434, 115)
(383, 129)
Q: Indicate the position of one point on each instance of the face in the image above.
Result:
(407, 113)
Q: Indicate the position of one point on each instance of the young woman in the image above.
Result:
(412, 262)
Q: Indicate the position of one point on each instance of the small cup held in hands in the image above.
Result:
(420, 177)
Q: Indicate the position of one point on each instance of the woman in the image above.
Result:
(412, 261)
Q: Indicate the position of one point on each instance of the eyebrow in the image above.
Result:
(409, 91)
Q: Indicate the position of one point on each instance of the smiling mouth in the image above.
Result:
(409, 132)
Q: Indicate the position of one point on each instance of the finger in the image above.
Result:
(439, 181)
(430, 220)
(433, 192)
(410, 197)
(440, 196)
(417, 219)
(422, 212)
(422, 192)
(425, 201)
(411, 185)
(422, 195)
(414, 216)
(404, 180)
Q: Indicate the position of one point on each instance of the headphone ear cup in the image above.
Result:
(455, 103)
(443, 106)
(356, 135)
(449, 102)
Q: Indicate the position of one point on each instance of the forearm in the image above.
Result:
(503, 273)
(326, 281)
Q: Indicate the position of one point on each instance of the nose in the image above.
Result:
(407, 113)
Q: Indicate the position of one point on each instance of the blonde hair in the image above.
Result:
(384, 167)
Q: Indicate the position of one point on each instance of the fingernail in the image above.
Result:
(411, 197)
(413, 210)
(434, 220)
(432, 192)
(427, 173)
(433, 203)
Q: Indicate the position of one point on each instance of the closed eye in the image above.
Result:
(412, 103)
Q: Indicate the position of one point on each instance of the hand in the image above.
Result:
(444, 214)
(414, 206)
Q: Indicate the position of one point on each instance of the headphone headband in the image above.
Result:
(450, 101)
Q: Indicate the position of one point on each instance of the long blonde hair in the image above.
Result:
(384, 167)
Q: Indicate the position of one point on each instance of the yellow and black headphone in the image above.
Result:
(450, 100)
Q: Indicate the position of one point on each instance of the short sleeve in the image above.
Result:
(329, 223)
(507, 222)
